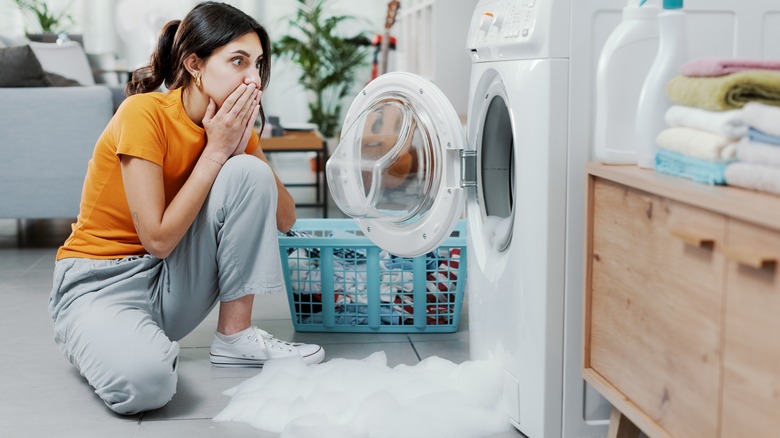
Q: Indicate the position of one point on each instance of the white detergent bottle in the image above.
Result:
(653, 101)
(625, 59)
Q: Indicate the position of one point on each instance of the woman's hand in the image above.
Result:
(248, 130)
(228, 128)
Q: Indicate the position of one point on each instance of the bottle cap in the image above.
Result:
(648, 3)
(673, 4)
(642, 10)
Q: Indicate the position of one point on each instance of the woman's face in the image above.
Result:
(231, 65)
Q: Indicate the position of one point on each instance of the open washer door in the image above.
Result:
(396, 169)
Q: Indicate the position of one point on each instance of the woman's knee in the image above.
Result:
(250, 168)
(253, 175)
(146, 384)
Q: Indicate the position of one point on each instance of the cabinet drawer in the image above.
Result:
(751, 355)
(654, 304)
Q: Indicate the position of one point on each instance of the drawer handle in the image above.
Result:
(693, 238)
(749, 257)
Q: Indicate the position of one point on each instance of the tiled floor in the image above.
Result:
(42, 395)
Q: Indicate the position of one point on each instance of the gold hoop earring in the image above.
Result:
(197, 81)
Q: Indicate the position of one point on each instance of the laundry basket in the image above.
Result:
(338, 281)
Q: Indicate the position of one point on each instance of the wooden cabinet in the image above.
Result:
(751, 359)
(681, 333)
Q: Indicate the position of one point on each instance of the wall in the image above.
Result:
(129, 28)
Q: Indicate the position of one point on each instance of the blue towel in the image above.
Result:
(762, 137)
(673, 163)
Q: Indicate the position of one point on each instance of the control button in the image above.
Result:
(525, 32)
(486, 21)
(498, 21)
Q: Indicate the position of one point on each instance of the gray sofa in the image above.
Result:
(47, 135)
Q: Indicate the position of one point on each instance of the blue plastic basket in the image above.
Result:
(338, 281)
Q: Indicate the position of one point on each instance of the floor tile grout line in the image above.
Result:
(413, 347)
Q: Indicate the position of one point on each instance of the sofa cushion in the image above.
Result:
(65, 59)
(19, 67)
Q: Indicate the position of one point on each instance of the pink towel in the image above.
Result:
(706, 67)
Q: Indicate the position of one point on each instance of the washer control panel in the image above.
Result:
(506, 21)
(519, 29)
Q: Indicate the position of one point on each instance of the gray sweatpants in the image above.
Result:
(118, 320)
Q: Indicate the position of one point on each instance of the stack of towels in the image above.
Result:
(758, 155)
(707, 125)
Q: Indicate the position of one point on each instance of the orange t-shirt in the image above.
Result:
(154, 127)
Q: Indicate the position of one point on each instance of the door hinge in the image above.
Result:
(468, 168)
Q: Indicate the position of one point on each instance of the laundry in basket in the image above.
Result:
(337, 280)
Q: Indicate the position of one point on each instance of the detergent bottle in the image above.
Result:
(653, 101)
(625, 59)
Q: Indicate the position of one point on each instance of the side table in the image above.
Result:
(303, 141)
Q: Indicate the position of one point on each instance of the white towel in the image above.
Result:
(697, 144)
(758, 153)
(729, 124)
(765, 118)
(754, 176)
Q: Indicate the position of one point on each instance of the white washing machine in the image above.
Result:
(404, 168)
(521, 309)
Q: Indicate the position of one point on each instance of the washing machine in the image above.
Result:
(521, 309)
(405, 167)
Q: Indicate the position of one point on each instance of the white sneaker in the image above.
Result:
(256, 346)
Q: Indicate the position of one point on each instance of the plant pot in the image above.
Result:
(316, 164)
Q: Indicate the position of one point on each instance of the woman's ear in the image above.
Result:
(193, 65)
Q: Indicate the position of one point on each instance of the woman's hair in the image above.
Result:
(207, 27)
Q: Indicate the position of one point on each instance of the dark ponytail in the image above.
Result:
(161, 65)
(207, 27)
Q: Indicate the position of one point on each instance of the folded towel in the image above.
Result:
(762, 137)
(758, 153)
(726, 123)
(697, 144)
(726, 92)
(754, 176)
(765, 118)
(723, 66)
(673, 163)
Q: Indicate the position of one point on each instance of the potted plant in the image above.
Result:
(52, 22)
(328, 60)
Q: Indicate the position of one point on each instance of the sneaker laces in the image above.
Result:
(269, 341)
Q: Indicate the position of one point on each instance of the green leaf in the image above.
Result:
(49, 21)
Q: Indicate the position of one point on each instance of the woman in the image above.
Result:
(179, 211)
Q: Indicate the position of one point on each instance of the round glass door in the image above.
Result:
(396, 168)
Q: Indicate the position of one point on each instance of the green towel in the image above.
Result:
(726, 92)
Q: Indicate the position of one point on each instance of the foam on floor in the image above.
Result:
(345, 398)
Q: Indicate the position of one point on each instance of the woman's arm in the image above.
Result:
(161, 228)
(285, 207)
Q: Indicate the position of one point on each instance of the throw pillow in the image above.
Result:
(56, 80)
(20, 68)
(13, 40)
(66, 59)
